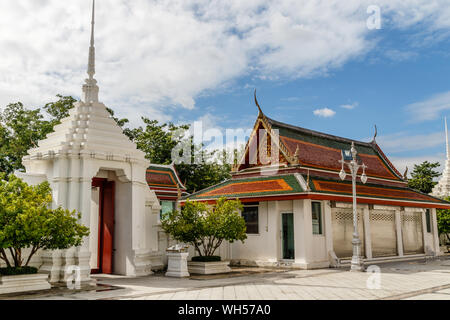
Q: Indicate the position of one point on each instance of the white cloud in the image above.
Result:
(404, 141)
(429, 109)
(325, 113)
(397, 55)
(350, 106)
(154, 56)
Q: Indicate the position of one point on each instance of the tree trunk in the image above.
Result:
(14, 256)
(4, 257)
(33, 251)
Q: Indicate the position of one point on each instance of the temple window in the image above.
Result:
(316, 213)
(428, 220)
(250, 215)
(166, 207)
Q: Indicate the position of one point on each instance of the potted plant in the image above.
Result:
(206, 227)
(27, 225)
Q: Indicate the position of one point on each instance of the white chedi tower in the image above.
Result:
(442, 189)
(88, 145)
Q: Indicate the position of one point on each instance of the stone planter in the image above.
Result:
(215, 267)
(177, 264)
(24, 283)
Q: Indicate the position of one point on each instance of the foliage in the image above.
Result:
(422, 177)
(21, 131)
(60, 109)
(443, 221)
(206, 227)
(158, 140)
(27, 221)
(199, 170)
(206, 259)
(18, 271)
(205, 172)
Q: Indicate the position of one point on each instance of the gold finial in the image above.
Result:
(257, 104)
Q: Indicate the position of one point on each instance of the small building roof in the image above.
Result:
(300, 186)
(164, 180)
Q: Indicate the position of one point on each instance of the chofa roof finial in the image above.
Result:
(257, 104)
(405, 175)
(375, 135)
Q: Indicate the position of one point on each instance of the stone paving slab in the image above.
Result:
(407, 280)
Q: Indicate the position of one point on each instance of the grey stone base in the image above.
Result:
(24, 283)
(209, 267)
(280, 264)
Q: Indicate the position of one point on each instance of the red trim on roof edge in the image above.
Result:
(335, 198)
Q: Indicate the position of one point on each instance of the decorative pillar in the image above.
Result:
(52, 261)
(426, 243)
(274, 232)
(302, 232)
(328, 226)
(68, 262)
(367, 232)
(83, 254)
(434, 229)
(398, 227)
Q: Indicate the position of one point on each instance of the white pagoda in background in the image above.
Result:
(442, 189)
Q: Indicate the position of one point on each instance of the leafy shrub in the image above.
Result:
(27, 220)
(17, 271)
(206, 227)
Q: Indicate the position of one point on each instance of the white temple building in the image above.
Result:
(94, 168)
(300, 216)
(442, 189)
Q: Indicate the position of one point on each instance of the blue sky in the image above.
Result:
(201, 60)
(376, 88)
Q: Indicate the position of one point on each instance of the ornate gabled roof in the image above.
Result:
(308, 168)
(252, 187)
(317, 150)
(377, 191)
(303, 186)
(164, 180)
(323, 151)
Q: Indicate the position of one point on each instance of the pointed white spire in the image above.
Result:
(446, 139)
(90, 88)
(91, 63)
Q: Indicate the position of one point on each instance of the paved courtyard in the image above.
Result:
(407, 280)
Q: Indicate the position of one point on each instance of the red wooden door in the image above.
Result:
(107, 226)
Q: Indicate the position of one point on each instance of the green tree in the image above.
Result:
(59, 109)
(21, 130)
(200, 176)
(200, 170)
(27, 221)
(423, 175)
(158, 140)
(206, 227)
(443, 221)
